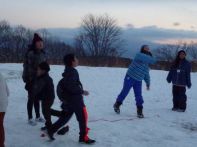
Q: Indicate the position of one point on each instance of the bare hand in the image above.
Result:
(86, 93)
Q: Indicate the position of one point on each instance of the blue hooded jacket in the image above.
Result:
(180, 75)
(139, 68)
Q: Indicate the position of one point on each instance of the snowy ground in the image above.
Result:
(160, 128)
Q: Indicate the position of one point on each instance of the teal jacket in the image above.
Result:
(139, 68)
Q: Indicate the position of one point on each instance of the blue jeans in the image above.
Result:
(137, 87)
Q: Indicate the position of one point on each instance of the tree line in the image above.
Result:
(168, 52)
(14, 43)
(99, 36)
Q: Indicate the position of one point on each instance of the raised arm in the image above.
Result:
(145, 58)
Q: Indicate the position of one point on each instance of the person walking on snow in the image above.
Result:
(73, 102)
(137, 71)
(4, 93)
(180, 77)
(34, 56)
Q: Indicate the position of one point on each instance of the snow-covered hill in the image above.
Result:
(160, 128)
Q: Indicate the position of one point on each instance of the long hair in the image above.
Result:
(177, 59)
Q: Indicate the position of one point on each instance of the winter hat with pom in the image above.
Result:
(44, 66)
(36, 38)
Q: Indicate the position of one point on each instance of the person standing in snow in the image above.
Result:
(43, 89)
(34, 56)
(179, 75)
(73, 102)
(4, 93)
(138, 71)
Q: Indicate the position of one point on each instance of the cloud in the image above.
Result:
(193, 27)
(135, 37)
(176, 24)
(129, 25)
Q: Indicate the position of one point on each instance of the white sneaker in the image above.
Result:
(40, 119)
(32, 122)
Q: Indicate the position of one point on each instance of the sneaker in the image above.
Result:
(40, 119)
(43, 128)
(140, 112)
(117, 107)
(88, 141)
(32, 122)
(49, 134)
(63, 131)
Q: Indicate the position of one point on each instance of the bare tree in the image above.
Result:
(14, 43)
(100, 36)
(192, 50)
(169, 52)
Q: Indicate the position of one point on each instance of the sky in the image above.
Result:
(168, 14)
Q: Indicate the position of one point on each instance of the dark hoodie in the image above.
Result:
(43, 88)
(72, 86)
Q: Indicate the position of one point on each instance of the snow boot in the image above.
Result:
(180, 110)
(174, 109)
(63, 131)
(140, 112)
(117, 107)
(88, 141)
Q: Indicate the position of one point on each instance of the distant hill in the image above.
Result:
(133, 37)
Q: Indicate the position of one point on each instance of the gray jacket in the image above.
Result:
(31, 62)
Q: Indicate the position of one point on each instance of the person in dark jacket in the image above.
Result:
(74, 103)
(43, 89)
(34, 56)
(179, 75)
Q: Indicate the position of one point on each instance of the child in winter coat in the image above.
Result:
(34, 56)
(73, 102)
(179, 75)
(138, 71)
(44, 90)
(4, 93)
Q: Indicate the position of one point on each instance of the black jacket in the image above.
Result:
(72, 86)
(43, 88)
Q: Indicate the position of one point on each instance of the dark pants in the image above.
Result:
(2, 133)
(81, 114)
(56, 113)
(47, 111)
(179, 97)
(137, 88)
(32, 102)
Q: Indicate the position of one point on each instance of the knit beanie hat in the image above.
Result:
(44, 66)
(36, 38)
